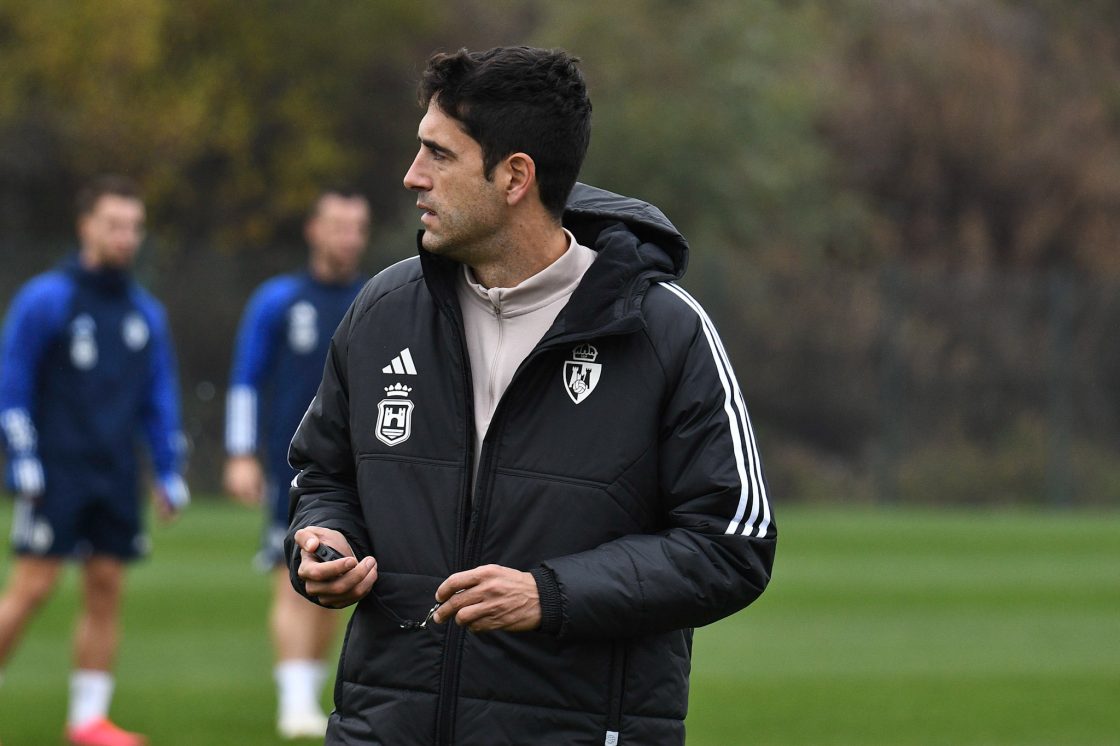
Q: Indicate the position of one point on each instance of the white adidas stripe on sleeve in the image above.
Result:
(18, 429)
(753, 490)
(241, 420)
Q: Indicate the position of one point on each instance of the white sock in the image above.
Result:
(90, 693)
(297, 686)
(320, 677)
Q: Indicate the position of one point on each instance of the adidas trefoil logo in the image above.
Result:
(402, 364)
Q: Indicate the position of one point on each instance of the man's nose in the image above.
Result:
(414, 178)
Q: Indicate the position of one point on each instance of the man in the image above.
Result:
(281, 347)
(86, 363)
(566, 466)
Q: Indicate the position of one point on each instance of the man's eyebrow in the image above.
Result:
(435, 147)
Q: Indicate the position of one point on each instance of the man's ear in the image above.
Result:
(521, 179)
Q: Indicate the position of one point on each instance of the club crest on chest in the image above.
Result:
(303, 327)
(394, 415)
(83, 342)
(582, 373)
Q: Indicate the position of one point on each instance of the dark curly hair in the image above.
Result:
(518, 99)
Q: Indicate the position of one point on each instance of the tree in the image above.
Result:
(231, 115)
(709, 109)
(983, 133)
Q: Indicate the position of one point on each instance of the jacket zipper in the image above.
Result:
(614, 692)
(473, 514)
(480, 506)
(453, 648)
(474, 506)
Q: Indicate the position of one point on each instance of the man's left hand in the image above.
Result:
(170, 495)
(490, 598)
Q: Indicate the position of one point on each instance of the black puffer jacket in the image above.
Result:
(620, 468)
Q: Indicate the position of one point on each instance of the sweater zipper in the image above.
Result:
(499, 319)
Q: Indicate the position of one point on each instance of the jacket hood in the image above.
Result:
(590, 210)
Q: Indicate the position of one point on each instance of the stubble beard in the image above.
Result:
(111, 258)
(469, 247)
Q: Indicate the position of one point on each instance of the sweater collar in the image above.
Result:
(635, 245)
(554, 282)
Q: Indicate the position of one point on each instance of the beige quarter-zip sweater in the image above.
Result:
(504, 324)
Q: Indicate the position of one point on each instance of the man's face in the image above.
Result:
(338, 232)
(111, 232)
(463, 212)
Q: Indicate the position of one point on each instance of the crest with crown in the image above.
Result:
(585, 353)
(398, 389)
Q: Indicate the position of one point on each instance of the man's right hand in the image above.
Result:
(337, 583)
(244, 480)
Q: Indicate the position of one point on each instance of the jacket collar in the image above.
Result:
(636, 244)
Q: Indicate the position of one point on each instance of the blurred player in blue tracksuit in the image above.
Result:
(86, 366)
(281, 347)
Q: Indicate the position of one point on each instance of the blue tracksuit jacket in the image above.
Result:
(86, 364)
(281, 346)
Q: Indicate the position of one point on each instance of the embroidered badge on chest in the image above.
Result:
(394, 415)
(582, 373)
(303, 329)
(83, 342)
(134, 331)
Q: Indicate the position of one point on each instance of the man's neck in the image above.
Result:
(526, 257)
(329, 274)
(90, 260)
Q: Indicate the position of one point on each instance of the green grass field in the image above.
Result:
(880, 627)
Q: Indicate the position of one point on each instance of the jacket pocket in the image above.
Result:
(379, 651)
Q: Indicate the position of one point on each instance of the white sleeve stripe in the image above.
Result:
(19, 430)
(753, 487)
(28, 473)
(22, 522)
(733, 420)
(757, 480)
(241, 420)
(758, 484)
(756, 462)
